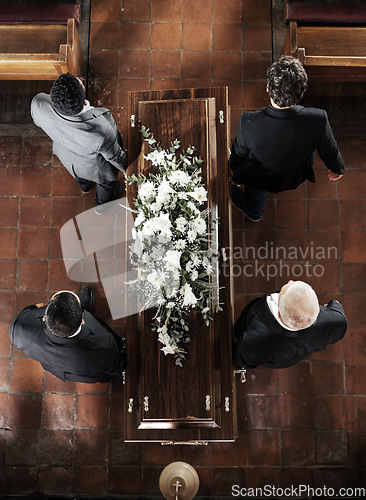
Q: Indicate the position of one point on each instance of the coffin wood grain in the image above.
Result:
(177, 398)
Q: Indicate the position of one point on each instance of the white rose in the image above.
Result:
(179, 177)
(146, 190)
(180, 224)
(155, 207)
(172, 258)
(148, 228)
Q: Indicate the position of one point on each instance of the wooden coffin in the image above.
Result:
(195, 403)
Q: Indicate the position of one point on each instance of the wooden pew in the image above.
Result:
(329, 39)
(39, 42)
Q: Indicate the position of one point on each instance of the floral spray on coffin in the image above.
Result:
(173, 251)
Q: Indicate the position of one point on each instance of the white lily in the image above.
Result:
(199, 194)
(189, 298)
(168, 349)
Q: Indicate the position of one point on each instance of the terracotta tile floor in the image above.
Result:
(304, 425)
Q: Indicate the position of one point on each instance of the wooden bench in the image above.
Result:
(329, 39)
(39, 42)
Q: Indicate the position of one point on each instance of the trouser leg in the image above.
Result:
(107, 191)
(255, 202)
(84, 184)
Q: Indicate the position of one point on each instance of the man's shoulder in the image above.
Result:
(260, 303)
(333, 313)
(41, 109)
(312, 112)
(96, 113)
(26, 325)
(95, 325)
(259, 311)
(251, 115)
(29, 315)
(41, 100)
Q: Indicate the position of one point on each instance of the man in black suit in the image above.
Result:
(68, 340)
(274, 147)
(281, 329)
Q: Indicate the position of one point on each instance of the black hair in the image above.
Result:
(67, 95)
(287, 81)
(63, 315)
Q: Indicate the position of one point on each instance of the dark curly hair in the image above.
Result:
(287, 81)
(63, 315)
(67, 95)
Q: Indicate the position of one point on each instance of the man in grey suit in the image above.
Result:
(85, 139)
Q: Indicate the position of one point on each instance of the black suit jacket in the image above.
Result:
(261, 340)
(93, 355)
(274, 148)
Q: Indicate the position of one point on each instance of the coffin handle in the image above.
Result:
(146, 403)
(208, 403)
(242, 375)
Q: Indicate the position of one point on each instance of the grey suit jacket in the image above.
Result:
(88, 145)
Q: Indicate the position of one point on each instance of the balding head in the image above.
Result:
(298, 305)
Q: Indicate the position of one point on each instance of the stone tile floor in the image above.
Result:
(304, 425)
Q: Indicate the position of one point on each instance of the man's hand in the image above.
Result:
(334, 177)
(326, 305)
(40, 305)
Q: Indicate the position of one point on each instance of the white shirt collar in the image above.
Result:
(77, 331)
(86, 107)
(272, 301)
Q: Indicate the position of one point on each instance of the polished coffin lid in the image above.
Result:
(164, 402)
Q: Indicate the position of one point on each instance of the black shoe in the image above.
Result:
(99, 209)
(87, 187)
(251, 218)
(237, 197)
(87, 298)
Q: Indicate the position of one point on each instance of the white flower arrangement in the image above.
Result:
(172, 250)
